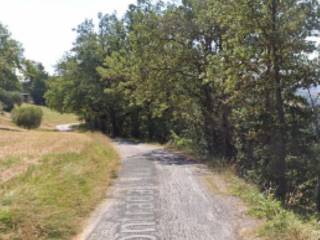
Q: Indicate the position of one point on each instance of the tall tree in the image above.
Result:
(221, 75)
(77, 73)
(10, 64)
(35, 81)
(267, 46)
(10, 60)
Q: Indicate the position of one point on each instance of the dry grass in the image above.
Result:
(52, 198)
(50, 181)
(20, 148)
(50, 119)
(30, 146)
(6, 123)
(5, 119)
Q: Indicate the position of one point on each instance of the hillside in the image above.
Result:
(50, 119)
(50, 181)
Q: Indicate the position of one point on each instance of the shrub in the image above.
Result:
(29, 117)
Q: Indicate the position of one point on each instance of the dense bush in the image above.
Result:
(29, 117)
(9, 99)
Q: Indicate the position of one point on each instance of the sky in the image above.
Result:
(44, 27)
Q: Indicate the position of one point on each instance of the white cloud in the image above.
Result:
(44, 27)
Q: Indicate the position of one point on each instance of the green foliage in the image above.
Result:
(79, 88)
(36, 81)
(6, 219)
(9, 99)
(10, 60)
(29, 117)
(221, 75)
(179, 142)
(280, 224)
(14, 68)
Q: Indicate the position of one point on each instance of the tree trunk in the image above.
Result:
(115, 131)
(210, 133)
(151, 129)
(318, 194)
(135, 131)
(228, 148)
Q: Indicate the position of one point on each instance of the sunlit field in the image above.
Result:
(18, 150)
(50, 182)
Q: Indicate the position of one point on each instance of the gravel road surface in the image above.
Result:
(160, 195)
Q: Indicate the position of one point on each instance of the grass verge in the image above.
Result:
(277, 223)
(52, 198)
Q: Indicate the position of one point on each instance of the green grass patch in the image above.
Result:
(52, 118)
(9, 162)
(52, 199)
(279, 223)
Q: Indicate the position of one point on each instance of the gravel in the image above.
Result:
(160, 195)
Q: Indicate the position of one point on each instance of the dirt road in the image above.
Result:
(159, 195)
(66, 127)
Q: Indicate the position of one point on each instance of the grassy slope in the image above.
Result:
(52, 198)
(52, 118)
(278, 223)
(18, 150)
(51, 181)
(5, 120)
(6, 123)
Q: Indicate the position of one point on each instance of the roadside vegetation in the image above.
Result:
(53, 197)
(276, 223)
(229, 78)
(51, 181)
(232, 80)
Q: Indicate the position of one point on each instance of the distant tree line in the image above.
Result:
(17, 74)
(223, 75)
